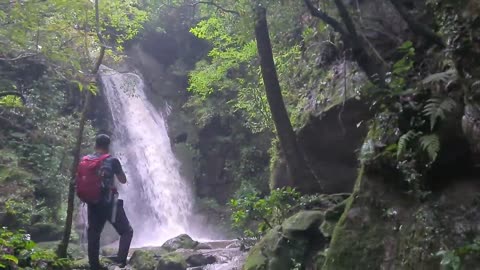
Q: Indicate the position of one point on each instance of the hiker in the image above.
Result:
(95, 186)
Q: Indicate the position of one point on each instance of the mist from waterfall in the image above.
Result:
(158, 201)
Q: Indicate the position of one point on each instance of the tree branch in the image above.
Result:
(347, 20)
(21, 56)
(416, 27)
(326, 18)
(13, 93)
(211, 3)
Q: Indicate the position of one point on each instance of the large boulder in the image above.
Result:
(172, 261)
(200, 259)
(332, 158)
(284, 246)
(182, 241)
(301, 223)
(145, 259)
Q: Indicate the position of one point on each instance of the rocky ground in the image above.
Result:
(179, 253)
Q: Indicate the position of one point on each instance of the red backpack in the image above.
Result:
(89, 178)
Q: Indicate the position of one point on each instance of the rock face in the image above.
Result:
(383, 228)
(329, 142)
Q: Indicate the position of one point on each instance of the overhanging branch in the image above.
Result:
(326, 18)
(211, 3)
(19, 57)
(416, 27)
(347, 20)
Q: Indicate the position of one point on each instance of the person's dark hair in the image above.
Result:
(102, 142)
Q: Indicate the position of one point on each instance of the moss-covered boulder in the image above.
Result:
(299, 224)
(384, 228)
(285, 246)
(172, 261)
(332, 216)
(258, 258)
(182, 241)
(143, 260)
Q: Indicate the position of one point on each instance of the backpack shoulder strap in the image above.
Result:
(104, 157)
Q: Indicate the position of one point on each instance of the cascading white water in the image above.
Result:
(158, 201)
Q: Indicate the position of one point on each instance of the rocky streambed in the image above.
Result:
(179, 253)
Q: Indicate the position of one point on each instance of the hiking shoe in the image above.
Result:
(100, 267)
(117, 261)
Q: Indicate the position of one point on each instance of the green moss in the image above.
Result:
(257, 258)
(143, 260)
(172, 261)
(181, 241)
(355, 245)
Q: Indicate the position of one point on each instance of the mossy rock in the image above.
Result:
(334, 213)
(327, 228)
(143, 260)
(302, 222)
(182, 241)
(274, 252)
(257, 258)
(172, 261)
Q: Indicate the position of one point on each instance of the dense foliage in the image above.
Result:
(18, 251)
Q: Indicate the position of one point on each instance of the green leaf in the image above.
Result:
(80, 85)
(404, 140)
(441, 77)
(431, 144)
(11, 258)
(437, 107)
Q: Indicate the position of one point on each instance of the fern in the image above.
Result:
(437, 107)
(404, 140)
(431, 145)
(446, 76)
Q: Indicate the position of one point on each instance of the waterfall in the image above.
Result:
(157, 200)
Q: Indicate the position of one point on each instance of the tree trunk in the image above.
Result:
(299, 170)
(63, 246)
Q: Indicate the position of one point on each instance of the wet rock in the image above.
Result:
(182, 241)
(203, 246)
(172, 261)
(200, 259)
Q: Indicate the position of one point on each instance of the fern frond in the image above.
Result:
(446, 76)
(437, 107)
(404, 140)
(431, 145)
